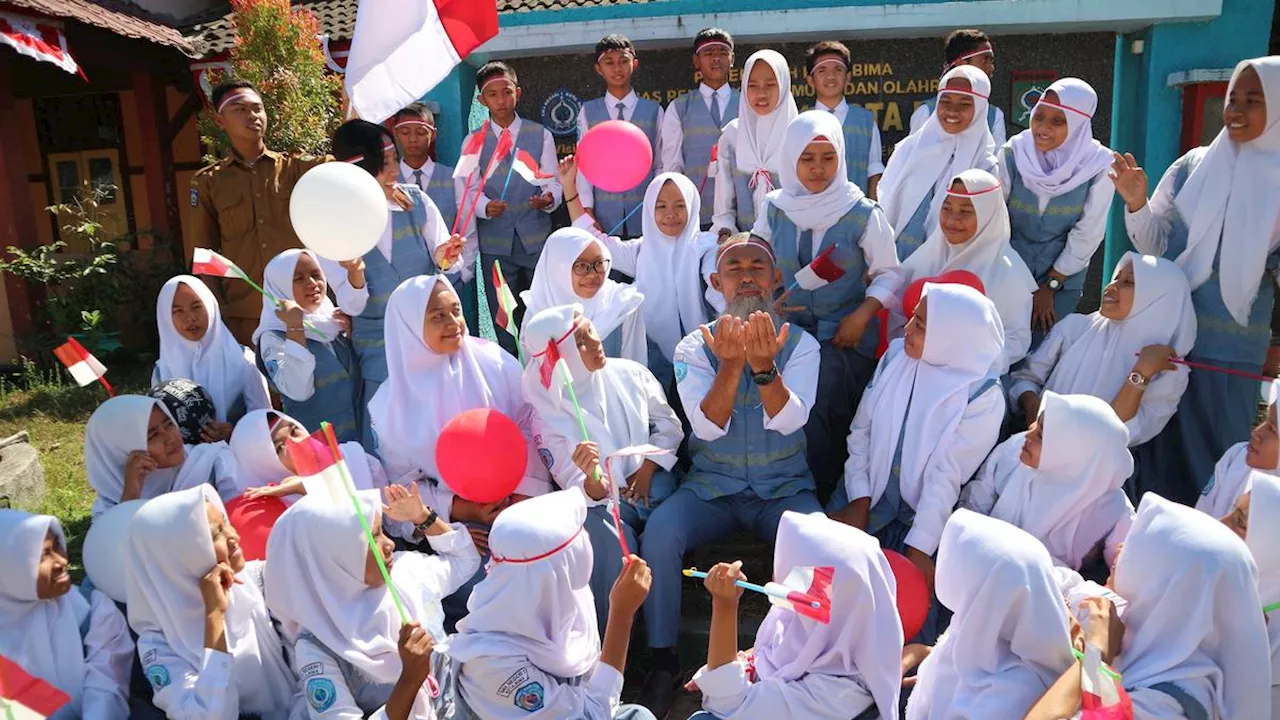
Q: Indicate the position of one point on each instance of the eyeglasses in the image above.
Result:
(583, 269)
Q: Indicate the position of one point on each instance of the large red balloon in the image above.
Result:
(911, 297)
(615, 155)
(913, 593)
(481, 455)
(253, 520)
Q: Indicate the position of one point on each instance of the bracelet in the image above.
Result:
(569, 200)
(425, 525)
(294, 329)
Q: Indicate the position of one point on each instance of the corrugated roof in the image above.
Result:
(121, 18)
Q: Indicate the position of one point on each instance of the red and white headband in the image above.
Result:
(543, 556)
(987, 49)
(1060, 106)
(624, 51)
(358, 158)
(713, 44)
(759, 242)
(967, 193)
(237, 95)
(494, 79)
(958, 91)
(415, 122)
(829, 61)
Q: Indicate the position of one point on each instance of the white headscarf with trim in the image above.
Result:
(277, 279)
(552, 284)
(758, 146)
(669, 269)
(215, 362)
(1079, 159)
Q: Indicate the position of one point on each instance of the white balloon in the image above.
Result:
(105, 549)
(338, 211)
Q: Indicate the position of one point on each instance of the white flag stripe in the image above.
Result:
(399, 51)
(807, 279)
(87, 371)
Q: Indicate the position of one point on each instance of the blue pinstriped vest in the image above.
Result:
(700, 136)
(337, 390)
(744, 205)
(932, 104)
(609, 208)
(1040, 237)
(521, 230)
(827, 305)
(439, 188)
(409, 258)
(858, 125)
(916, 230)
(748, 457)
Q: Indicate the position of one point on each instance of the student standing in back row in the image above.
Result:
(690, 130)
(615, 62)
(967, 47)
(826, 68)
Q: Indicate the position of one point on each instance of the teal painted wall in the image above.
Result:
(678, 7)
(454, 96)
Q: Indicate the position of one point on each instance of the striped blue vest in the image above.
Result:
(439, 188)
(521, 230)
(749, 457)
(827, 305)
(700, 135)
(1040, 237)
(932, 104)
(609, 208)
(916, 230)
(858, 126)
(409, 258)
(744, 206)
(337, 390)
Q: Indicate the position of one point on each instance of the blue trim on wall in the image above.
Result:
(679, 7)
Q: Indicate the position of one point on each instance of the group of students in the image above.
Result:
(725, 389)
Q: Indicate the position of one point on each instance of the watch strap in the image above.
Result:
(422, 527)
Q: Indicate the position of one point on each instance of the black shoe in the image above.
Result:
(659, 692)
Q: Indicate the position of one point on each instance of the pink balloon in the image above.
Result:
(615, 155)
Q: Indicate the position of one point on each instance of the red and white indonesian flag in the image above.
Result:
(83, 366)
(469, 159)
(207, 262)
(26, 697)
(820, 272)
(802, 589)
(401, 49)
(322, 473)
(527, 167)
(1102, 697)
(38, 39)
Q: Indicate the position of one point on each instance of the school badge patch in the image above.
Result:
(529, 698)
(158, 676)
(547, 458)
(682, 370)
(321, 693)
(195, 197)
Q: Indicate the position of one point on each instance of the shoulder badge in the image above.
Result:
(158, 676)
(547, 458)
(321, 694)
(529, 697)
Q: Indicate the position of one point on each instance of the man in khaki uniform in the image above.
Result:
(242, 202)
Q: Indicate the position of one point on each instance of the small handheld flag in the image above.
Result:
(1102, 696)
(505, 317)
(469, 160)
(83, 366)
(711, 167)
(615, 500)
(207, 262)
(813, 603)
(505, 143)
(26, 697)
(819, 273)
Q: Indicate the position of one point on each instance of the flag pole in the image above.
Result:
(582, 426)
(625, 218)
(507, 183)
(110, 391)
(695, 573)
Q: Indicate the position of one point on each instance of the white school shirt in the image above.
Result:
(800, 375)
(547, 163)
(729, 694)
(671, 137)
(455, 561)
(1087, 234)
(586, 191)
(490, 684)
(472, 241)
(295, 366)
(952, 463)
(256, 396)
(724, 215)
(998, 132)
(108, 662)
(665, 430)
(1159, 401)
(877, 247)
(875, 154)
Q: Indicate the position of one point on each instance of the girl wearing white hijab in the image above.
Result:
(1009, 639)
(973, 234)
(1062, 480)
(1241, 463)
(1122, 353)
(671, 262)
(196, 345)
(303, 347)
(133, 449)
(1053, 179)
(955, 138)
(819, 210)
(1207, 654)
(206, 641)
(435, 372)
(574, 269)
(1256, 519)
(749, 153)
(623, 406)
(802, 669)
(529, 648)
(74, 640)
(928, 420)
(1215, 214)
(323, 583)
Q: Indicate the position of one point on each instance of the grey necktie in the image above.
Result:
(622, 111)
(417, 179)
(715, 109)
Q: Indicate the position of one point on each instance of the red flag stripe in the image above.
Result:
(311, 456)
(17, 685)
(468, 23)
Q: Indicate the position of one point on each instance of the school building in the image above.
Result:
(131, 118)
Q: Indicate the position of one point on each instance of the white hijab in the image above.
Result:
(669, 269)
(552, 284)
(43, 636)
(1009, 640)
(216, 362)
(1232, 477)
(1263, 541)
(1079, 159)
(1005, 277)
(424, 389)
(1230, 200)
(1099, 361)
(258, 463)
(808, 210)
(119, 427)
(864, 638)
(536, 599)
(277, 278)
(170, 548)
(932, 156)
(758, 147)
(963, 342)
(1210, 639)
(1084, 461)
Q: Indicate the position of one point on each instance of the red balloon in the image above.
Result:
(481, 455)
(913, 593)
(911, 297)
(253, 520)
(615, 155)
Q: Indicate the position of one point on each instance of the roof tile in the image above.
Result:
(121, 18)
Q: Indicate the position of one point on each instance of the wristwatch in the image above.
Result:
(422, 527)
(1138, 380)
(1053, 284)
(764, 378)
